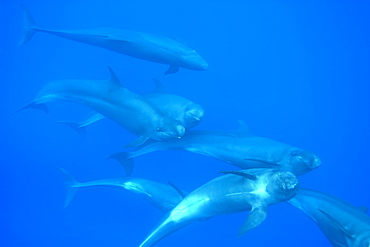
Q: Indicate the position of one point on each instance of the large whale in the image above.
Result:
(239, 148)
(342, 223)
(141, 45)
(186, 112)
(111, 99)
(162, 196)
(254, 190)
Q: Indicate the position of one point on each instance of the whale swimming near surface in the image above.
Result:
(141, 45)
(239, 191)
(162, 196)
(239, 148)
(343, 224)
(111, 99)
(186, 112)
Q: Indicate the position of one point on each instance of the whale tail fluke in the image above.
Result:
(81, 130)
(71, 186)
(124, 159)
(29, 27)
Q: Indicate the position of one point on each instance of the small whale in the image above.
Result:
(162, 196)
(238, 191)
(111, 99)
(343, 224)
(186, 112)
(239, 148)
(141, 45)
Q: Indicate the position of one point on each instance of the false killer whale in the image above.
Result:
(186, 112)
(238, 191)
(141, 45)
(239, 148)
(343, 224)
(162, 196)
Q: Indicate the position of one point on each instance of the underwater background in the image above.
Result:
(296, 72)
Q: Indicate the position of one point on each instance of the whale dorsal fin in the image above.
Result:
(336, 223)
(114, 79)
(242, 174)
(158, 85)
(243, 129)
(255, 217)
(179, 191)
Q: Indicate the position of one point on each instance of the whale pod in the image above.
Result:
(111, 99)
(184, 111)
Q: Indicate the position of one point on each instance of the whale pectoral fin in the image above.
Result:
(34, 105)
(76, 127)
(158, 85)
(262, 161)
(124, 159)
(113, 38)
(181, 193)
(336, 223)
(139, 141)
(255, 217)
(92, 119)
(243, 174)
(172, 69)
(108, 37)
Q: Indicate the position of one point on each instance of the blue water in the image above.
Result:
(297, 73)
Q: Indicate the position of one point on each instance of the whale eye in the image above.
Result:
(159, 129)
